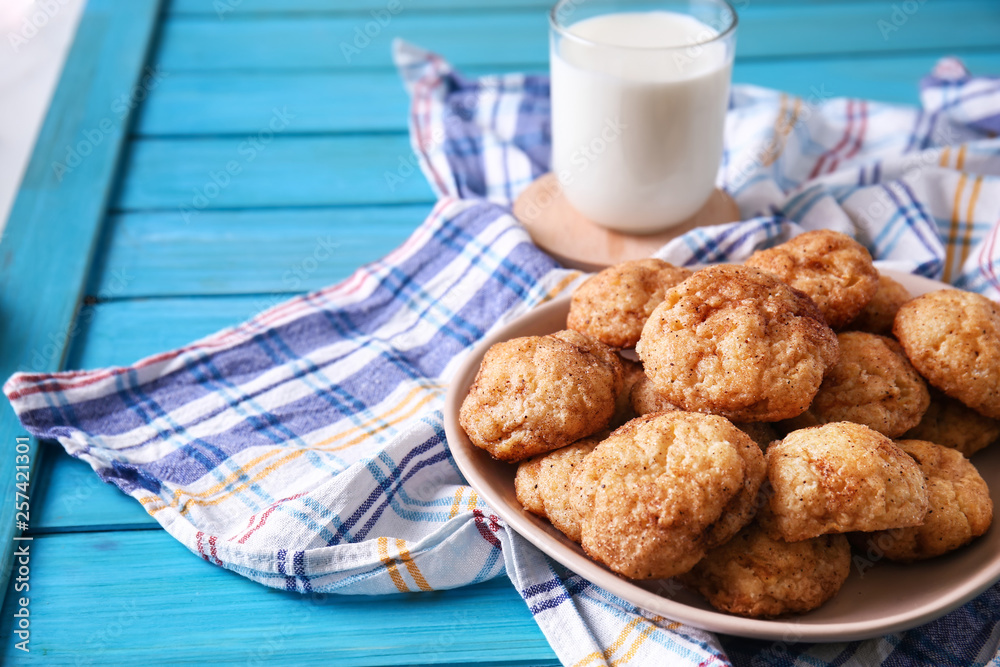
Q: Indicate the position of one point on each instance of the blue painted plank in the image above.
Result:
(188, 103)
(70, 497)
(213, 103)
(516, 39)
(180, 174)
(190, 175)
(50, 236)
(119, 333)
(140, 598)
(226, 8)
(223, 252)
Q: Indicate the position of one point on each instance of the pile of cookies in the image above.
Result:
(779, 410)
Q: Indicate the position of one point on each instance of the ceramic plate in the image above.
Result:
(879, 597)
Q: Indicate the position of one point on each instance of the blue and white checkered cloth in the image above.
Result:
(304, 449)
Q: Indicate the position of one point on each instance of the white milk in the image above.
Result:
(637, 131)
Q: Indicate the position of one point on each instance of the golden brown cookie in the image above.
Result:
(953, 339)
(554, 485)
(587, 344)
(838, 478)
(633, 373)
(757, 576)
(832, 268)
(873, 384)
(539, 393)
(612, 305)
(662, 489)
(736, 341)
(526, 485)
(645, 399)
(877, 317)
(542, 485)
(960, 507)
(949, 423)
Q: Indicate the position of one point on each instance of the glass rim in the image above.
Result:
(564, 32)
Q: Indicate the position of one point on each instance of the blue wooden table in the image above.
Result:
(205, 159)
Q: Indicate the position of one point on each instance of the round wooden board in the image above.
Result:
(576, 242)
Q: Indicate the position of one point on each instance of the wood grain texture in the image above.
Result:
(508, 40)
(250, 7)
(273, 251)
(207, 103)
(577, 242)
(190, 175)
(70, 497)
(140, 598)
(332, 170)
(49, 240)
(236, 8)
(120, 333)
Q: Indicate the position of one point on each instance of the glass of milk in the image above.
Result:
(639, 96)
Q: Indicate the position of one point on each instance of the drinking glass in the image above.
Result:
(640, 90)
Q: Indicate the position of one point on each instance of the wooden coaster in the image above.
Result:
(576, 242)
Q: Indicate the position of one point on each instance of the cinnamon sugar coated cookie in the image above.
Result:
(526, 485)
(950, 423)
(960, 507)
(554, 485)
(953, 339)
(538, 393)
(664, 488)
(612, 305)
(838, 478)
(645, 399)
(873, 384)
(633, 374)
(760, 432)
(736, 341)
(757, 576)
(877, 317)
(832, 268)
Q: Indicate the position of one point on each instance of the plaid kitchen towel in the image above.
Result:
(304, 449)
